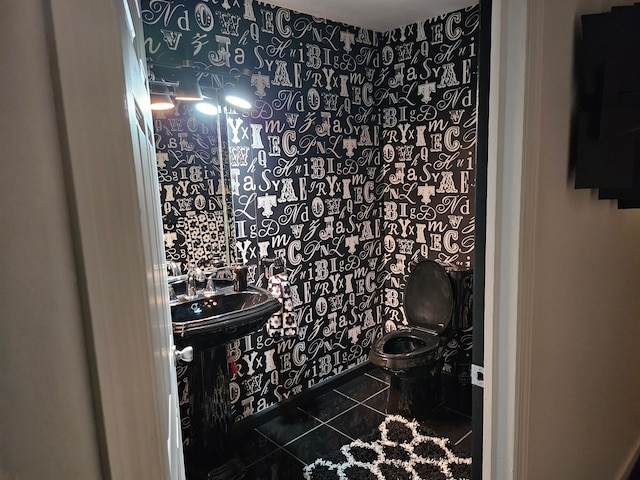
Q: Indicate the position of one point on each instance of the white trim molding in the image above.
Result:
(509, 257)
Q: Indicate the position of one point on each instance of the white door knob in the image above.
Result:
(186, 354)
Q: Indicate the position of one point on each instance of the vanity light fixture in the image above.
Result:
(234, 87)
(208, 107)
(239, 95)
(161, 99)
(188, 86)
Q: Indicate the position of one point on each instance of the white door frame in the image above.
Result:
(513, 108)
(105, 193)
(114, 247)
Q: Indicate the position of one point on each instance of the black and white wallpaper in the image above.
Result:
(356, 159)
(194, 186)
(427, 95)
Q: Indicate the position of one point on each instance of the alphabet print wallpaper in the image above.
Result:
(355, 161)
(194, 187)
(427, 92)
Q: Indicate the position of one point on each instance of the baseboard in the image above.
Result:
(634, 457)
(279, 408)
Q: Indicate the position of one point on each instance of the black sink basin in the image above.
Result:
(222, 317)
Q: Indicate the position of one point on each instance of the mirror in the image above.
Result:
(195, 186)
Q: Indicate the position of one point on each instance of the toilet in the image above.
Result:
(413, 356)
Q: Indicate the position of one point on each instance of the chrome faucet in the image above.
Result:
(192, 290)
(174, 269)
(239, 273)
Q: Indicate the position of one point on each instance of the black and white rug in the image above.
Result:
(400, 450)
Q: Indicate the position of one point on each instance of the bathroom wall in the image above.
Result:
(427, 88)
(308, 173)
(583, 386)
(303, 169)
(309, 184)
(194, 188)
(47, 407)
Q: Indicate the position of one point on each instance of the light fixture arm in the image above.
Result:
(212, 71)
(237, 91)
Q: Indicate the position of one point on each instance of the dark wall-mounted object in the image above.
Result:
(608, 117)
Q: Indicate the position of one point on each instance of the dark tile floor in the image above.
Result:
(278, 449)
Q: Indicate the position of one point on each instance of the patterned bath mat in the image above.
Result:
(400, 450)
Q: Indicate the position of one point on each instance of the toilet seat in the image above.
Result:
(428, 306)
(406, 348)
(428, 297)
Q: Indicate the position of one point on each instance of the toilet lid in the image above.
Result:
(428, 297)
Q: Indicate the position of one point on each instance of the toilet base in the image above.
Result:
(415, 393)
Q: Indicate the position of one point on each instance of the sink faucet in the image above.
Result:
(174, 269)
(240, 278)
(192, 290)
(239, 273)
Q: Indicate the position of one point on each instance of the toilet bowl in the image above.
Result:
(413, 356)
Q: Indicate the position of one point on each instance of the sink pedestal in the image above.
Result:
(208, 323)
(210, 455)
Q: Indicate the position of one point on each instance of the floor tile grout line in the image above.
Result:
(303, 434)
(294, 456)
(278, 447)
(361, 401)
(342, 433)
(377, 393)
(345, 411)
(344, 395)
(358, 402)
(276, 451)
(265, 436)
(262, 457)
(379, 379)
(299, 436)
(313, 416)
(350, 408)
(376, 410)
(326, 422)
(376, 379)
(462, 438)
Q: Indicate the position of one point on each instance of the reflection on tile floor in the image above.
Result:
(280, 448)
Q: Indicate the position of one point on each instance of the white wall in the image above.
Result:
(47, 426)
(584, 402)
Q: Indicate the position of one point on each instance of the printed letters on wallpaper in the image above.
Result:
(192, 186)
(356, 160)
(427, 94)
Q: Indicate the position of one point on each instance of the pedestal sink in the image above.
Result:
(208, 323)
